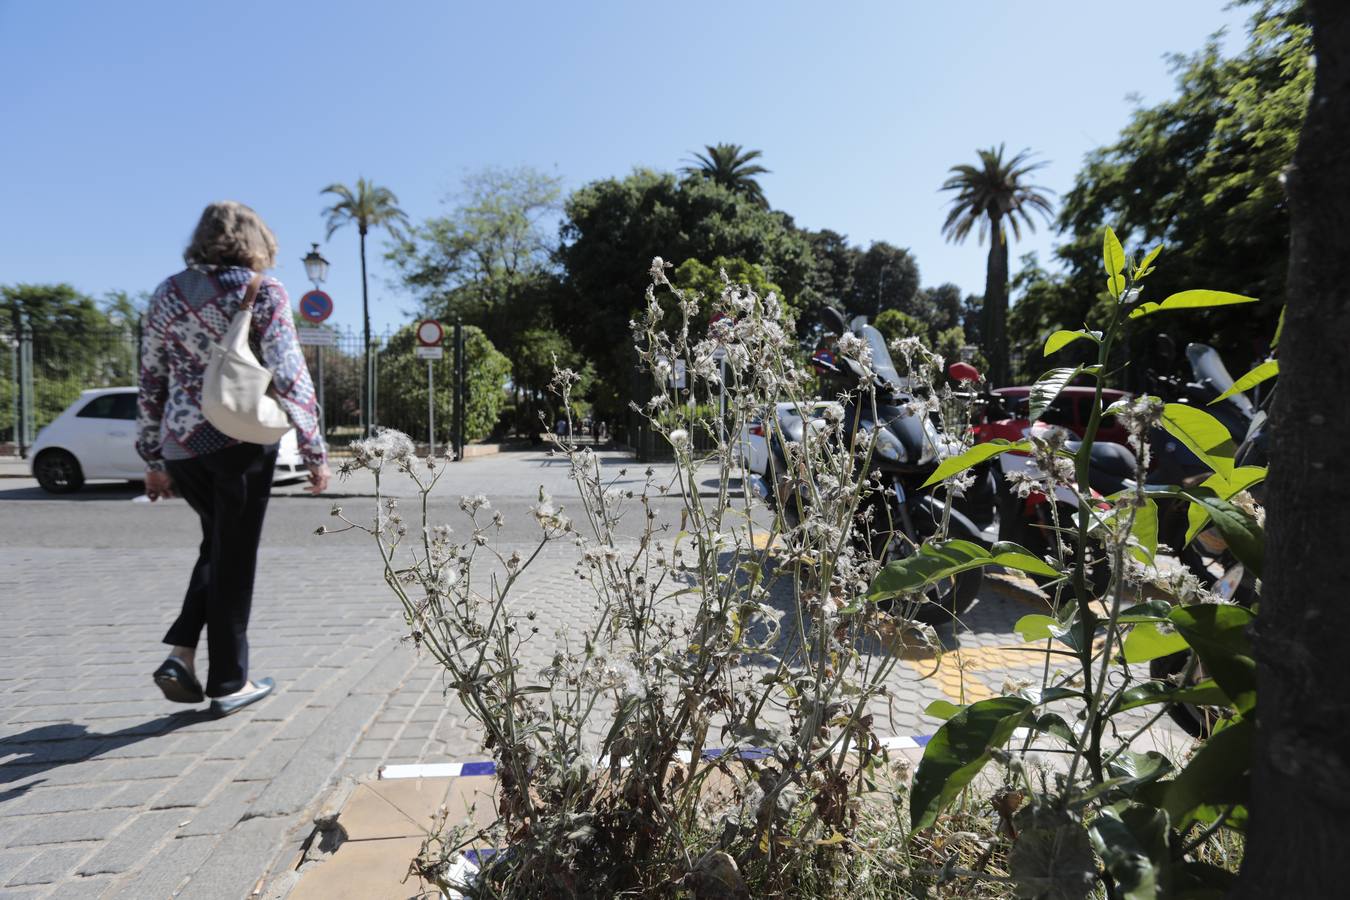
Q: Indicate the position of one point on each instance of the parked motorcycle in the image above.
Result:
(897, 518)
(1031, 521)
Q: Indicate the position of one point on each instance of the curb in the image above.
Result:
(488, 767)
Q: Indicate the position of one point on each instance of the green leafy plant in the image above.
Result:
(1147, 817)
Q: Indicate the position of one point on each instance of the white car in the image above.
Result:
(754, 442)
(96, 438)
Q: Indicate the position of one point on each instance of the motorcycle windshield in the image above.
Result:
(881, 359)
(1208, 368)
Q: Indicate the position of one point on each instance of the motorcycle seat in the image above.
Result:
(1106, 458)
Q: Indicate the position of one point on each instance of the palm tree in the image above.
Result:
(732, 167)
(369, 206)
(986, 195)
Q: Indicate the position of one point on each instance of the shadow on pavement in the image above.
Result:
(112, 490)
(48, 747)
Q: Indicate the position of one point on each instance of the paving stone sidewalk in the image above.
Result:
(106, 790)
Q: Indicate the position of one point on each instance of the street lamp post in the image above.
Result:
(316, 269)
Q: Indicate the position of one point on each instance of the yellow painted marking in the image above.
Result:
(760, 540)
(960, 687)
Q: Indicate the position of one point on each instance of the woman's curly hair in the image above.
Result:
(232, 234)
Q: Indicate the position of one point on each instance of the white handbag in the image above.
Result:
(234, 388)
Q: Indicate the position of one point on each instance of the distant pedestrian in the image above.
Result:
(225, 481)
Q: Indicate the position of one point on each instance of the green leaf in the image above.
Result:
(1113, 255)
(1147, 261)
(1047, 388)
(1036, 627)
(941, 709)
(1015, 556)
(1148, 611)
(1279, 330)
(1246, 539)
(944, 559)
(1115, 286)
(1140, 768)
(1218, 634)
(954, 465)
(1203, 434)
(1218, 774)
(1206, 693)
(1190, 300)
(1061, 339)
(1132, 841)
(1054, 724)
(1145, 531)
(958, 752)
(1147, 641)
(1268, 369)
(1224, 488)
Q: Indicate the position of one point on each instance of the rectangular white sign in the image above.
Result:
(317, 337)
(430, 352)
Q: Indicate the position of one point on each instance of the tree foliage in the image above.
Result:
(489, 261)
(366, 206)
(732, 167)
(77, 344)
(403, 386)
(989, 196)
(884, 277)
(614, 227)
(1200, 174)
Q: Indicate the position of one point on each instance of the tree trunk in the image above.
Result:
(1300, 807)
(995, 312)
(367, 383)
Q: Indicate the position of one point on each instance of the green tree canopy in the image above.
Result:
(732, 167)
(884, 277)
(76, 345)
(988, 197)
(613, 228)
(1201, 174)
(487, 259)
(403, 387)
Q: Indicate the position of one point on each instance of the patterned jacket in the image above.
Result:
(188, 313)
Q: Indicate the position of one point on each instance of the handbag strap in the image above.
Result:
(252, 293)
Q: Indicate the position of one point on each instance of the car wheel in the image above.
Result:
(58, 472)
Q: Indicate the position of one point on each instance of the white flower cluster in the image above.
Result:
(386, 446)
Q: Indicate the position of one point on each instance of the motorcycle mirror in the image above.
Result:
(961, 371)
(833, 320)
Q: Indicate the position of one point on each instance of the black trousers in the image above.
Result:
(229, 491)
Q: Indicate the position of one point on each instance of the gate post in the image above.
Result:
(24, 383)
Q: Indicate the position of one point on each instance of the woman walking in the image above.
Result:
(227, 482)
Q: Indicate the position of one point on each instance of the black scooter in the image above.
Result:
(896, 518)
(1031, 521)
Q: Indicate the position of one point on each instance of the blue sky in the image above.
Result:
(123, 119)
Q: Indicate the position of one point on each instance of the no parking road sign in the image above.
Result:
(316, 306)
(429, 333)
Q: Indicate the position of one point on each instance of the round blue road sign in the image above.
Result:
(316, 306)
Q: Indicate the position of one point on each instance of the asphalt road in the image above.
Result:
(115, 514)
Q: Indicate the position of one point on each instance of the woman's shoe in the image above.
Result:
(223, 706)
(178, 683)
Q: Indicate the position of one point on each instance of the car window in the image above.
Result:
(124, 406)
(110, 406)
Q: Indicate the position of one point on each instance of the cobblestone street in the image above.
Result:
(106, 790)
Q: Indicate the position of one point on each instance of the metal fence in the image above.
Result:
(42, 373)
